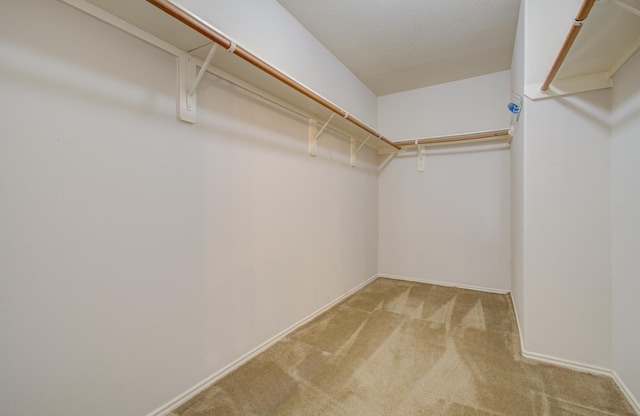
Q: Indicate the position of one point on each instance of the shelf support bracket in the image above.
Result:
(188, 80)
(421, 157)
(314, 133)
(186, 75)
(313, 143)
(203, 69)
(354, 151)
(324, 126)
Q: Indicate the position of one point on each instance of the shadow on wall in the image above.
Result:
(590, 105)
(627, 107)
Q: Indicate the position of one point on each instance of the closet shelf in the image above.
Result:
(175, 29)
(186, 41)
(480, 136)
(609, 33)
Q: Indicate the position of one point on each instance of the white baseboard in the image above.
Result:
(585, 368)
(515, 312)
(184, 397)
(574, 365)
(633, 401)
(435, 282)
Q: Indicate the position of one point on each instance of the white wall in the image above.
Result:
(567, 228)
(450, 223)
(268, 30)
(468, 105)
(517, 283)
(625, 223)
(139, 254)
(567, 269)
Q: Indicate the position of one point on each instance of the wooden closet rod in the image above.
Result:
(568, 42)
(498, 134)
(215, 35)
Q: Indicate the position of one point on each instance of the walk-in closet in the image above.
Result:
(286, 207)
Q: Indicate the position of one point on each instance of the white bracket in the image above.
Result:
(313, 142)
(324, 126)
(188, 81)
(354, 151)
(186, 75)
(203, 69)
(314, 133)
(421, 157)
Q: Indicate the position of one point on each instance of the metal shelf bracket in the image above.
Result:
(188, 80)
(186, 76)
(314, 133)
(355, 151)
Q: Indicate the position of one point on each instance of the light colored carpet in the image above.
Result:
(403, 348)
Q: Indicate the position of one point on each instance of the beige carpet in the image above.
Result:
(402, 348)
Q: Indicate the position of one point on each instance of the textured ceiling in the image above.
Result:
(399, 45)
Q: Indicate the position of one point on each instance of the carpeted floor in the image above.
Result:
(403, 348)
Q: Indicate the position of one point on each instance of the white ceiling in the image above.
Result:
(399, 45)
